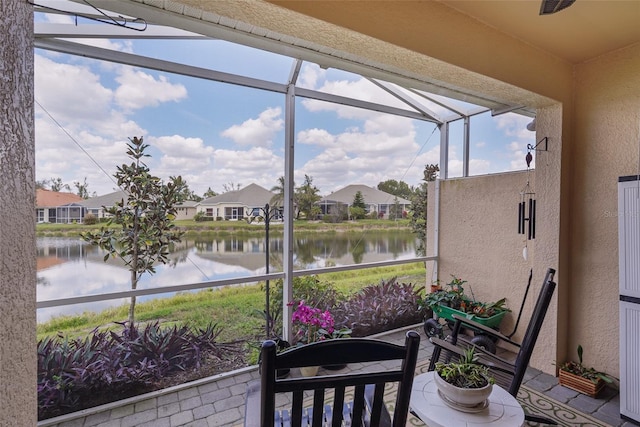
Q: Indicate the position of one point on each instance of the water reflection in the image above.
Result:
(69, 267)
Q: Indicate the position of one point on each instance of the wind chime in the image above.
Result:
(527, 207)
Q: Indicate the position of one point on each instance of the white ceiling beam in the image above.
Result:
(71, 31)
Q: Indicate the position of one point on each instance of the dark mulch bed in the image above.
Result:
(210, 365)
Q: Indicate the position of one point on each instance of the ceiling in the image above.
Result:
(585, 30)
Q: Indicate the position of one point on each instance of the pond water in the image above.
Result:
(70, 267)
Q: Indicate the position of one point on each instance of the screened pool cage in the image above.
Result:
(405, 96)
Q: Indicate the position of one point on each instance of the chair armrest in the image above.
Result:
(485, 329)
(252, 405)
(488, 359)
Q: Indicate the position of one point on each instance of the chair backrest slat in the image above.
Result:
(533, 330)
(338, 404)
(296, 408)
(368, 407)
(358, 406)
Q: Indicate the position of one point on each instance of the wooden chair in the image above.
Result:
(366, 408)
(508, 374)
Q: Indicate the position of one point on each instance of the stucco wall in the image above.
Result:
(478, 242)
(607, 129)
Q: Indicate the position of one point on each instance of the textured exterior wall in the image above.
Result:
(17, 221)
(607, 118)
(478, 242)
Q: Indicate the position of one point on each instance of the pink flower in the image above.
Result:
(313, 323)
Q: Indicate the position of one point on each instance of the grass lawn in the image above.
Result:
(235, 309)
(191, 227)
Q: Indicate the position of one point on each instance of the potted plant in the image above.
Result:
(314, 325)
(578, 377)
(452, 300)
(464, 383)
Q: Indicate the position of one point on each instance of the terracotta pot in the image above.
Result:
(580, 384)
(464, 397)
(309, 371)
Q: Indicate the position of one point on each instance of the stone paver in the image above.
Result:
(220, 402)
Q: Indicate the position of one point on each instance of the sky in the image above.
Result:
(216, 135)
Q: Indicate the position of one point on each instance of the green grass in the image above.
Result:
(222, 228)
(234, 309)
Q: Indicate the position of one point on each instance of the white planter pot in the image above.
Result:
(464, 397)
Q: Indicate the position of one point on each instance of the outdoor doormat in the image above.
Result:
(537, 403)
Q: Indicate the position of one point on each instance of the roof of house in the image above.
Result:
(187, 204)
(51, 199)
(251, 195)
(107, 200)
(371, 196)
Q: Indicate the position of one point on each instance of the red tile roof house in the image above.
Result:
(58, 207)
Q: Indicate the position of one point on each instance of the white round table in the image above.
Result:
(502, 410)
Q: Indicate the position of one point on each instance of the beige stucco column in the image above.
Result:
(17, 217)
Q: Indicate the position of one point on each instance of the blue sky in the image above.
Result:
(215, 134)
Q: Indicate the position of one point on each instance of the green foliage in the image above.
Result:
(82, 188)
(90, 219)
(579, 369)
(453, 296)
(209, 193)
(378, 308)
(397, 188)
(358, 200)
(356, 212)
(307, 196)
(145, 229)
(419, 207)
(466, 373)
(73, 371)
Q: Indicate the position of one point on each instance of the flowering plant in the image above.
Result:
(314, 324)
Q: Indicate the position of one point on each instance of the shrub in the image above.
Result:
(314, 292)
(90, 219)
(72, 372)
(378, 308)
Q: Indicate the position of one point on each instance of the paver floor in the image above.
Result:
(219, 400)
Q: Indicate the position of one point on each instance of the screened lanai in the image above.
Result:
(267, 71)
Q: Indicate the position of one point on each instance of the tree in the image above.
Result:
(231, 187)
(358, 208)
(82, 189)
(397, 188)
(42, 184)
(185, 193)
(209, 193)
(145, 218)
(307, 196)
(419, 207)
(57, 185)
(395, 210)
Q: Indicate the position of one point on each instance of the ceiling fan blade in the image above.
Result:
(552, 6)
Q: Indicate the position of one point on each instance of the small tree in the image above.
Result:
(145, 218)
(419, 207)
(307, 195)
(209, 193)
(358, 208)
(56, 184)
(82, 188)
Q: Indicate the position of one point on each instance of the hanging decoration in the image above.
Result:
(527, 206)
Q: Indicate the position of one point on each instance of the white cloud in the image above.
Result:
(139, 89)
(315, 136)
(257, 132)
